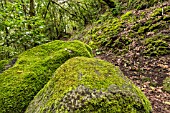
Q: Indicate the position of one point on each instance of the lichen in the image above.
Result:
(20, 83)
(83, 85)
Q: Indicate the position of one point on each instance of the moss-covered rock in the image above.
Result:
(83, 85)
(2, 65)
(166, 84)
(20, 83)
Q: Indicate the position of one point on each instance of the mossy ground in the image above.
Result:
(118, 33)
(89, 85)
(166, 84)
(34, 67)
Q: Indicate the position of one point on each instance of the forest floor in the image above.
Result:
(147, 73)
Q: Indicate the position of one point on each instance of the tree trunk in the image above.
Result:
(24, 7)
(32, 8)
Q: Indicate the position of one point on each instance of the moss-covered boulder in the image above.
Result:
(2, 65)
(89, 85)
(166, 84)
(20, 83)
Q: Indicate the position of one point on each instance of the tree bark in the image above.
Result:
(32, 8)
(24, 7)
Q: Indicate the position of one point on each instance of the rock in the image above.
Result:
(89, 85)
(32, 70)
(166, 84)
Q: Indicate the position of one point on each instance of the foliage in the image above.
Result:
(26, 24)
(21, 28)
(18, 31)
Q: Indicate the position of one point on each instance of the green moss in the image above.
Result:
(155, 26)
(161, 11)
(157, 45)
(166, 84)
(143, 29)
(157, 12)
(103, 34)
(83, 85)
(32, 70)
(166, 18)
(109, 32)
(2, 65)
(136, 26)
(127, 15)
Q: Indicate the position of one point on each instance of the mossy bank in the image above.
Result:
(83, 85)
(20, 83)
(148, 28)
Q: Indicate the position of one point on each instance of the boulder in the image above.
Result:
(89, 85)
(32, 70)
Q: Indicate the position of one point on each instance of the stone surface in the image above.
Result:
(20, 83)
(89, 85)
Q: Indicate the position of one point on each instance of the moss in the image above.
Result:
(155, 26)
(108, 32)
(105, 34)
(157, 12)
(32, 70)
(6, 64)
(166, 18)
(89, 85)
(143, 29)
(2, 65)
(161, 11)
(136, 26)
(166, 84)
(127, 15)
(157, 45)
